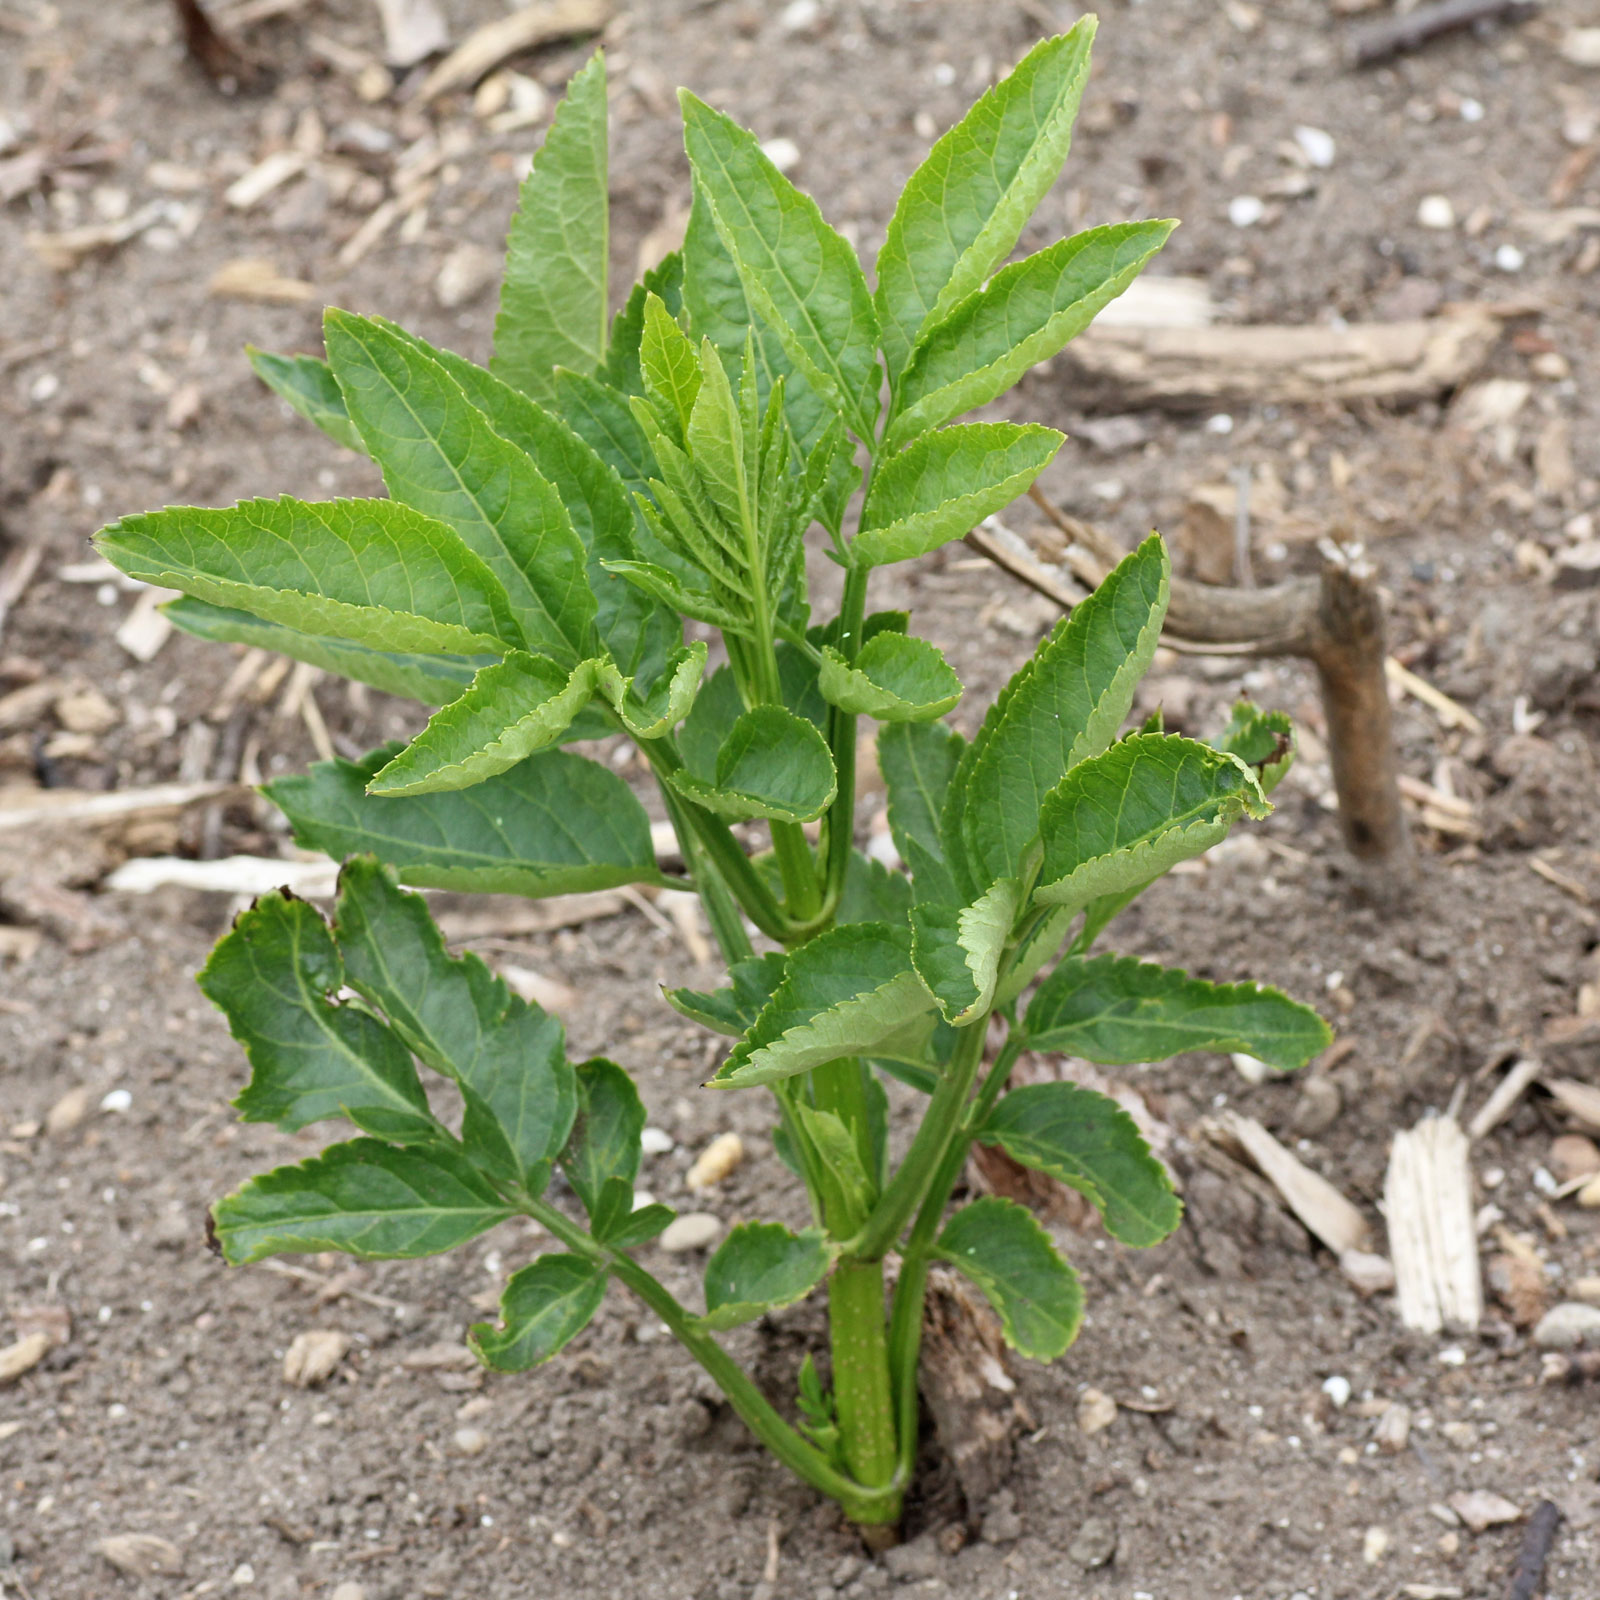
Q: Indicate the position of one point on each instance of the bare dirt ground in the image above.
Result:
(614, 1473)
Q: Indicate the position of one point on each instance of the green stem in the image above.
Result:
(801, 892)
(842, 743)
(722, 910)
(861, 1387)
(940, 1124)
(862, 1503)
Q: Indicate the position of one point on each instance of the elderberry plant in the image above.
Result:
(552, 522)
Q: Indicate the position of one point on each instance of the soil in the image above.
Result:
(615, 1473)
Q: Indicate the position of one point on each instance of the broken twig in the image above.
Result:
(1536, 1541)
(1396, 35)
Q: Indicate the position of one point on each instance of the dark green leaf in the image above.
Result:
(440, 454)
(1087, 1141)
(1118, 1010)
(918, 760)
(1000, 1246)
(872, 893)
(554, 824)
(895, 678)
(946, 483)
(759, 1267)
(458, 1016)
(308, 384)
(363, 1198)
(542, 1307)
(605, 1138)
(1024, 315)
(553, 302)
(1126, 816)
(600, 416)
(797, 273)
(371, 571)
(274, 977)
(734, 1009)
(1261, 739)
(963, 209)
(772, 764)
(851, 991)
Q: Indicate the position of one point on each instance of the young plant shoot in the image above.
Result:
(567, 534)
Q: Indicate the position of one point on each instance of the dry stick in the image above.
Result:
(1536, 1542)
(222, 61)
(16, 573)
(1336, 622)
(1398, 34)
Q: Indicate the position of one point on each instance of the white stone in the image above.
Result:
(1337, 1390)
(1568, 1325)
(116, 1100)
(1581, 46)
(1509, 259)
(1435, 211)
(466, 272)
(1246, 210)
(1316, 144)
(799, 15)
(694, 1230)
(656, 1141)
(784, 154)
(470, 1441)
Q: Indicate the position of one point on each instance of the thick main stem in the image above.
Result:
(860, 1345)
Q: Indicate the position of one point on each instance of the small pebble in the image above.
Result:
(116, 1100)
(467, 271)
(1587, 1290)
(1574, 1156)
(68, 1111)
(1246, 210)
(656, 1142)
(1589, 1195)
(1096, 1411)
(800, 15)
(1581, 46)
(1568, 1326)
(141, 1555)
(1374, 1545)
(1435, 211)
(470, 1441)
(1316, 144)
(784, 154)
(1509, 259)
(348, 1591)
(243, 1575)
(1094, 1544)
(694, 1230)
(1337, 1390)
(1482, 1508)
(1393, 1432)
(313, 1355)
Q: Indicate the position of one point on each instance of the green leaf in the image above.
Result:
(513, 708)
(850, 991)
(717, 439)
(846, 1192)
(1027, 312)
(1003, 1250)
(671, 590)
(440, 455)
(621, 369)
(670, 697)
(364, 1198)
(895, 678)
(274, 977)
(1261, 739)
(1039, 945)
(553, 301)
(542, 1307)
(963, 209)
(459, 1017)
(601, 417)
(1118, 1010)
(945, 484)
(1127, 816)
(918, 761)
(734, 1009)
(1065, 705)
(957, 953)
(605, 1138)
(872, 893)
(797, 273)
(759, 1267)
(370, 571)
(670, 368)
(432, 679)
(1088, 1142)
(554, 824)
(308, 384)
(772, 764)
(639, 1225)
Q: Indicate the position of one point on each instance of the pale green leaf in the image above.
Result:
(759, 1267)
(376, 573)
(895, 678)
(1117, 1010)
(1127, 816)
(513, 708)
(797, 273)
(554, 824)
(772, 764)
(553, 301)
(1000, 1246)
(308, 385)
(439, 454)
(671, 590)
(1088, 1142)
(1025, 314)
(542, 1307)
(363, 1198)
(945, 484)
(669, 699)
(669, 367)
(963, 209)
(621, 369)
(846, 1192)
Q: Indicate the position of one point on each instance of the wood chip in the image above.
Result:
(549, 994)
(23, 1356)
(1503, 1100)
(271, 172)
(237, 875)
(440, 1358)
(256, 278)
(313, 1355)
(1315, 1201)
(141, 1555)
(1581, 1101)
(1482, 1508)
(1449, 712)
(1393, 1432)
(529, 917)
(39, 808)
(61, 252)
(1187, 368)
(495, 42)
(413, 30)
(1432, 1237)
(145, 628)
(1558, 879)
(16, 573)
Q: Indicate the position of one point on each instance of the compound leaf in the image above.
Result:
(376, 573)
(850, 991)
(1117, 1010)
(1025, 314)
(553, 301)
(759, 1267)
(554, 824)
(962, 210)
(364, 1198)
(1126, 816)
(274, 977)
(1001, 1247)
(945, 483)
(542, 1307)
(895, 677)
(1088, 1142)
